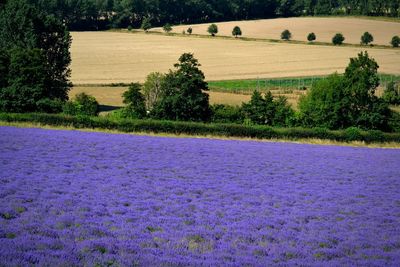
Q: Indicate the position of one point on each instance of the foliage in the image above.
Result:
(338, 39)
(286, 35)
(146, 24)
(265, 110)
(236, 31)
(323, 106)
(152, 89)
(367, 38)
(391, 95)
(189, 30)
(44, 41)
(83, 104)
(311, 37)
(194, 128)
(212, 29)
(395, 42)
(182, 96)
(167, 28)
(226, 114)
(347, 101)
(102, 14)
(134, 101)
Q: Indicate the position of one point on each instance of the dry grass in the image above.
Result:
(110, 57)
(324, 28)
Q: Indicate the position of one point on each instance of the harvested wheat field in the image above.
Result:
(112, 96)
(324, 28)
(110, 57)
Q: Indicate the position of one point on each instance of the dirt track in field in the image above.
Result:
(109, 57)
(324, 28)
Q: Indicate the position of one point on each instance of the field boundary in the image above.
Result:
(202, 129)
(252, 39)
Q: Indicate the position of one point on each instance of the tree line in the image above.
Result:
(103, 14)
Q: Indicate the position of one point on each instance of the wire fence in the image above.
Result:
(286, 84)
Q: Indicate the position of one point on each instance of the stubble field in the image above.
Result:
(112, 57)
(324, 28)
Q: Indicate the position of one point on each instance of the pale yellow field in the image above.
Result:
(112, 96)
(324, 28)
(110, 57)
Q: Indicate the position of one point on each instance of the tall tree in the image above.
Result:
(24, 27)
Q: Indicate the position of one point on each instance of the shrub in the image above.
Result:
(167, 28)
(353, 134)
(83, 104)
(134, 100)
(391, 95)
(338, 39)
(366, 38)
(130, 28)
(286, 35)
(236, 31)
(395, 42)
(189, 30)
(226, 114)
(311, 37)
(146, 24)
(212, 29)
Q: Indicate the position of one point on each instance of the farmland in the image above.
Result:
(76, 198)
(113, 57)
(324, 28)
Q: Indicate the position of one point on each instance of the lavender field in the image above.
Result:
(70, 198)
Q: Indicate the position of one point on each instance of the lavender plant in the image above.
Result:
(70, 198)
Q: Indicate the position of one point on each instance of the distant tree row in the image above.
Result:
(102, 14)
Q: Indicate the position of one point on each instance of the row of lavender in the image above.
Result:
(73, 198)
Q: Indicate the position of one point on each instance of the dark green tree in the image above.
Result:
(395, 42)
(367, 38)
(236, 31)
(134, 101)
(286, 35)
(311, 37)
(23, 27)
(182, 96)
(338, 39)
(212, 29)
(254, 110)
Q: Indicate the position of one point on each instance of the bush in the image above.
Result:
(130, 28)
(236, 31)
(395, 42)
(338, 39)
(146, 24)
(226, 114)
(353, 134)
(189, 30)
(366, 38)
(286, 35)
(167, 28)
(135, 102)
(83, 104)
(212, 29)
(311, 37)
(391, 95)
